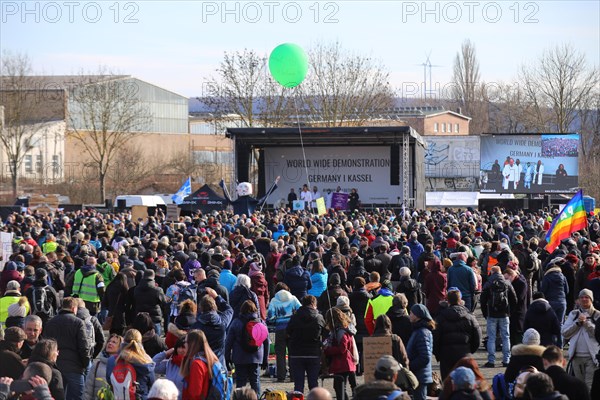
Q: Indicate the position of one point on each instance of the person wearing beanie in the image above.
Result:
(404, 259)
(457, 333)
(150, 299)
(88, 284)
(542, 318)
(11, 364)
(9, 273)
(460, 275)
(410, 287)
(11, 296)
(579, 329)
(464, 385)
(260, 287)
(556, 288)
(420, 349)
(17, 313)
(527, 353)
(226, 277)
(582, 275)
(398, 315)
(39, 290)
(328, 298)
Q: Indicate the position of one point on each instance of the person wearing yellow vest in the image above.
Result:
(88, 285)
(11, 296)
(379, 305)
(50, 244)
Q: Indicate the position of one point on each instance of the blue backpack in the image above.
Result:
(500, 388)
(221, 385)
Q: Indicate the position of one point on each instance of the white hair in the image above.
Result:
(243, 280)
(163, 389)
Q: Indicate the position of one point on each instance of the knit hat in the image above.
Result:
(404, 271)
(588, 293)
(227, 264)
(421, 312)
(343, 301)
(463, 378)
(10, 266)
(40, 274)
(255, 269)
(14, 334)
(531, 337)
(16, 310)
(447, 263)
(387, 284)
(335, 279)
(13, 286)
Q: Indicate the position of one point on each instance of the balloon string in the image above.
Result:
(301, 141)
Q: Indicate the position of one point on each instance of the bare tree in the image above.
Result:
(131, 169)
(243, 87)
(22, 122)
(558, 87)
(105, 114)
(467, 90)
(343, 88)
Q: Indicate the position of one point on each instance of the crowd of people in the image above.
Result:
(94, 305)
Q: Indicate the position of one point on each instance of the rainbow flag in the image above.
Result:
(571, 219)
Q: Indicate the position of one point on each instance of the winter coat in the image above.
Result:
(7, 276)
(153, 344)
(522, 355)
(51, 295)
(568, 385)
(234, 352)
(169, 367)
(197, 382)
(375, 389)
(114, 300)
(461, 276)
(554, 285)
(416, 249)
(213, 283)
(319, 283)
(238, 296)
(464, 394)
(331, 294)
(298, 280)
(11, 364)
(149, 298)
(96, 378)
(359, 299)
(144, 373)
(517, 313)
(99, 339)
(435, 286)
(282, 307)
(486, 296)
(378, 305)
(356, 269)
(260, 287)
(573, 332)
(305, 331)
(73, 341)
(401, 324)
(214, 325)
(411, 289)
(541, 317)
(339, 351)
(457, 334)
(419, 350)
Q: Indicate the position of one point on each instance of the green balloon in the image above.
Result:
(288, 64)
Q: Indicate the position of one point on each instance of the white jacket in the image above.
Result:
(573, 332)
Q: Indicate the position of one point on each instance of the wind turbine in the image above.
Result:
(427, 65)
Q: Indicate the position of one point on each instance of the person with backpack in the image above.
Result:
(130, 372)
(74, 347)
(93, 329)
(205, 377)
(410, 287)
(240, 293)
(188, 310)
(43, 299)
(178, 292)
(247, 346)
(497, 298)
(340, 350)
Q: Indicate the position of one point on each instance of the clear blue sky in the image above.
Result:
(178, 44)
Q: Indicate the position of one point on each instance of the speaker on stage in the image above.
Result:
(395, 165)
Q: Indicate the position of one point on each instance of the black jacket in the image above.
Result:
(11, 364)
(522, 355)
(305, 332)
(401, 325)
(212, 283)
(359, 299)
(149, 298)
(356, 269)
(517, 313)
(457, 334)
(486, 298)
(411, 289)
(542, 318)
(73, 342)
(570, 386)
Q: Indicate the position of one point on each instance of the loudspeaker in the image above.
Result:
(121, 204)
(243, 163)
(395, 165)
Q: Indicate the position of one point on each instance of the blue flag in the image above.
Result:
(184, 190)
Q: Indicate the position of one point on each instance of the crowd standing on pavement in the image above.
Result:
(95, 305)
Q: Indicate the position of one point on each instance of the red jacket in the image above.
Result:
(435, 286)
(261, 289)
(197, 382)
(340, 353)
